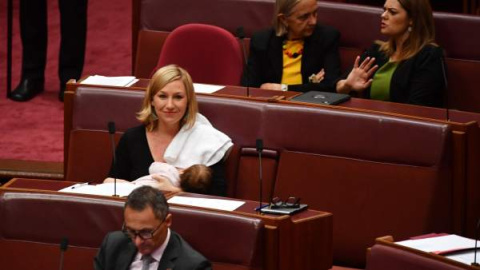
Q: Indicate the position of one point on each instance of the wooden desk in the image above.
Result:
(305, 239)
(358, 104)
(385, 254)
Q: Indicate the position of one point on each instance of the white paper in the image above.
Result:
(206, 88)
(465, 257)
(105, 189)
(110, 81)
(439, 244)
(219, 204)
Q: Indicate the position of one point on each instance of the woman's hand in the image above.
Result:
(359, 78)
(317, 78)
(165, 184)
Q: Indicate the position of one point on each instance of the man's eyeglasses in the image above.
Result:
(143, 234)
(291, 202)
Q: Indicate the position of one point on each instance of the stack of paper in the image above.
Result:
(110, 81)
(105, 189)
(219, 204)
(454, 247)
(206, 88)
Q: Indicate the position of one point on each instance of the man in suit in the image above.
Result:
(146, 241)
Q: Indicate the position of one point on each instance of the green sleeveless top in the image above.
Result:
(380, 89)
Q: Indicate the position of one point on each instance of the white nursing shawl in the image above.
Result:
(201, 144)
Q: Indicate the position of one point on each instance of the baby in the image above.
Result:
(196, 178)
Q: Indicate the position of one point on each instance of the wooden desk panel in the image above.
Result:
(305, 239)
(385, 254)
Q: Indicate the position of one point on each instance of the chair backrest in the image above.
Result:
(209, 53)
(34, 223)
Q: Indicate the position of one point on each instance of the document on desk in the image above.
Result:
(206, 88)
(440, 244)
(218, 204)
(105, 189)
(110, 81)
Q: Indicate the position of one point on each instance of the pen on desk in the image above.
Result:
(263, 206)
(79, 185)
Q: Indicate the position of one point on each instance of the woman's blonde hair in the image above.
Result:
(422, 31)
(284, 7)
(162, 77)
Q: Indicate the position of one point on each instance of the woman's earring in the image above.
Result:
(409, 29)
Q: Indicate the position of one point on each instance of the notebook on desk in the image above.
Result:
(318, 97)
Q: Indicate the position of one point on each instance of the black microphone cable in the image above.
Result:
(63, 248)
(241, 36)
(111, 130)
(259, 146)
(476, 245)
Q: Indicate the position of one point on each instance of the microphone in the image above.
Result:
(476, 245)
(259, 146)
(111, 130)
(63, 248)
(445, 81)
(241, 35)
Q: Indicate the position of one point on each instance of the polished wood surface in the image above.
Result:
(305, 239)
(388, 241)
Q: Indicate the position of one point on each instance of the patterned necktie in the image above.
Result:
(146, 261)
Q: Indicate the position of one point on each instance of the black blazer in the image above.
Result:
(265, 62)
(118, 251)
(419, 80)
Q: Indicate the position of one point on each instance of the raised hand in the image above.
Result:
(360, 77)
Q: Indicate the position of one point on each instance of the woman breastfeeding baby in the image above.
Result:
(175, 148)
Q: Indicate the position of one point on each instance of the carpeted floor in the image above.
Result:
(34, 130)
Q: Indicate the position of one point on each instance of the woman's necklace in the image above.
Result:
(292, 49)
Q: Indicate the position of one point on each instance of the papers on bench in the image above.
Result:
(206, 88)
(123, 189)
(105, 189)
(454, 247)
(218, 204)
(110, 81)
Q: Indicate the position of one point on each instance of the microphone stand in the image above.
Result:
(445, 81)
(475, 263)
(241, 37)
(63, 248)
(259, 150)
(111, 130)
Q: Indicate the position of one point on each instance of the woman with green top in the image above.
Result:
(408, 67)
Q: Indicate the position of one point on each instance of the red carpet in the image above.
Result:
(34, 130)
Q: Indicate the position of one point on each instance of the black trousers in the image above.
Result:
(33, 28)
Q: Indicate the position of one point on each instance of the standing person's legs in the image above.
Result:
(33, 30)
(73, 22)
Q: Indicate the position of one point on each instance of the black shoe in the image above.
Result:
(61, 94)
(27, 89)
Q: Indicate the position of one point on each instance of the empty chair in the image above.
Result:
(209, 53)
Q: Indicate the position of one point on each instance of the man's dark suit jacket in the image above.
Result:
(118, 251)
(265, 63)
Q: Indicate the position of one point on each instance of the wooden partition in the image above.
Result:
(427, 160)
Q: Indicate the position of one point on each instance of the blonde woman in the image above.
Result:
(172, 131)
(297, 54)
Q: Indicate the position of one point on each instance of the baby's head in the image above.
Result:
(196, 179)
